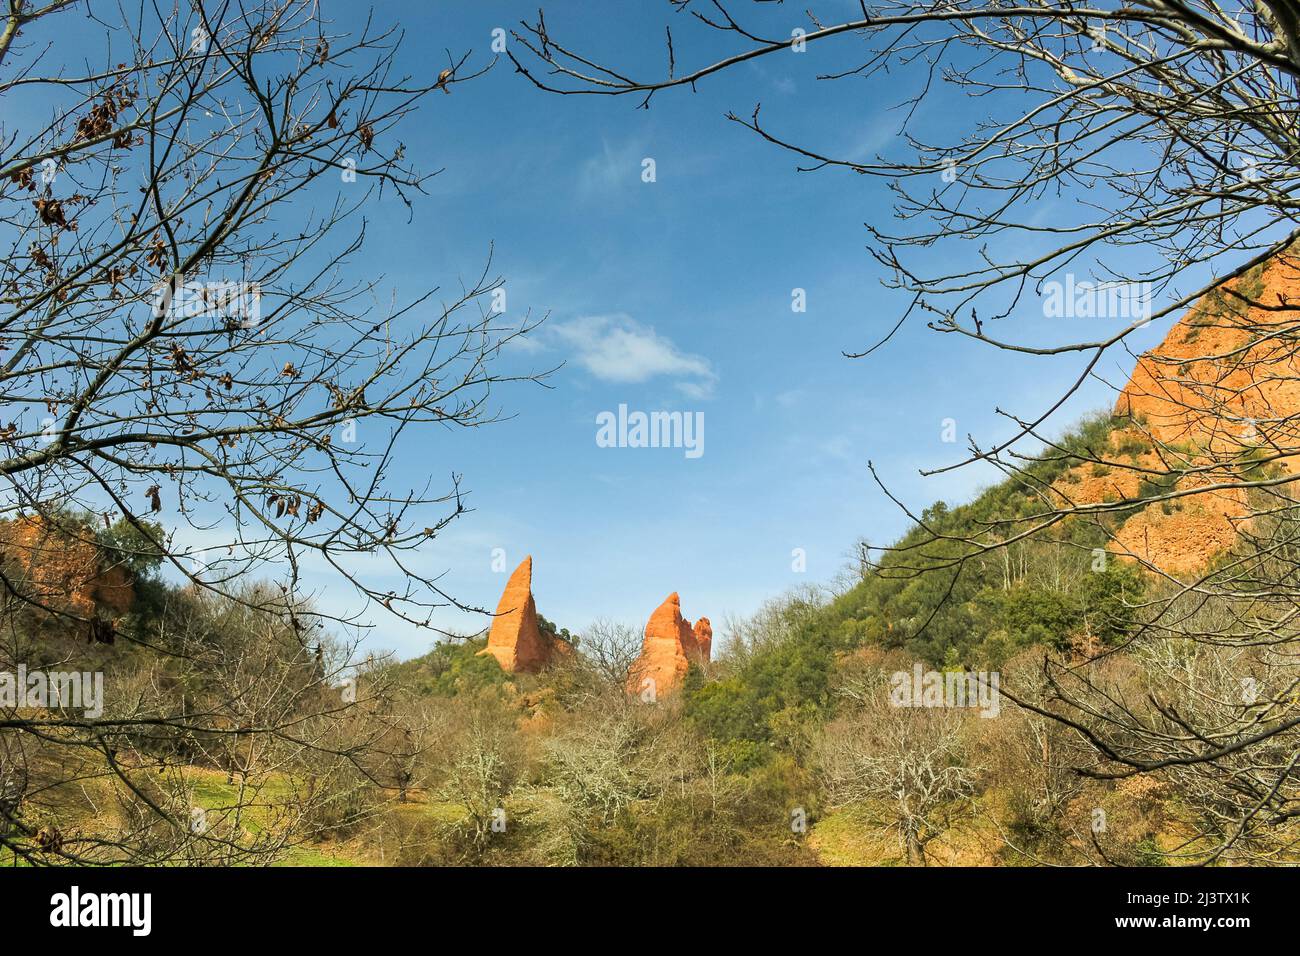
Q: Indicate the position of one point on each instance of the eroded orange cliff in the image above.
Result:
(1223, 387)
(669, 648)
(63, 571)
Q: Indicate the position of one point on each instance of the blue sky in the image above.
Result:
(676, 295)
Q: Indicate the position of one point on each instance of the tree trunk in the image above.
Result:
(915, 849)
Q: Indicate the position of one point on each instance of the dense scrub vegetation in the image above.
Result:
(783, 750)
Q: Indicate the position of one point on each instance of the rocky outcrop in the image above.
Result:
(703, 631)
(515, 639)
(1216, 388)
(1220, 380)
(670, 646)
(64, 571)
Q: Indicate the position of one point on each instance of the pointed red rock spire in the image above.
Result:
(669, 647)
(704, 639)
(515, 639)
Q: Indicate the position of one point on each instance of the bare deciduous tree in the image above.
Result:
(190, 332)
(485, 763)
(610, 650)
(910, 761)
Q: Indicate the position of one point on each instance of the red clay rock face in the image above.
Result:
(670, 645)
(65, 573)
(1212, 388)
(1213, 405)
(704, 638)
(515, 640)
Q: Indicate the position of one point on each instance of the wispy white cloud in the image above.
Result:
(616, 348)
(783, 84)
(610, 170)
(529, 344)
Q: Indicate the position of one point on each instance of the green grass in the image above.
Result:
(317, 856)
